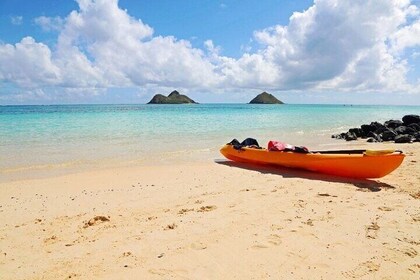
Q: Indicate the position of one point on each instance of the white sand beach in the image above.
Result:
(215, 220)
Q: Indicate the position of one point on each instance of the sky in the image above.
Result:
(110, 51)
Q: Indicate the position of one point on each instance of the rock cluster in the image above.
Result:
(405, 131)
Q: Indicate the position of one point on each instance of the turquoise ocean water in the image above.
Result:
(76, 137)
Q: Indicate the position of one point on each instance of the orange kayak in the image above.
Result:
(359, 164)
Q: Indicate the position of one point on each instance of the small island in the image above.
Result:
(173, 98)
(265, 98)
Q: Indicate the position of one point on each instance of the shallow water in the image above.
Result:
(65, 137)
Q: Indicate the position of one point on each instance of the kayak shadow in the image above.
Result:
(362, 184)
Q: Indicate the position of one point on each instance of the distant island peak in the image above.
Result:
(173, 98)
(265, 98)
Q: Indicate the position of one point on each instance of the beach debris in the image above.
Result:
(309, 222)
(170, 226)
(54, 237)
(127, 254)
(185, 210)
(96, 220)
(207, 208)
(161, 255)
(326, 194)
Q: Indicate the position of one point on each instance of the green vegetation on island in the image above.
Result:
(173, 98)
(265, 98)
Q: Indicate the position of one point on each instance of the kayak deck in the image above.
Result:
(370, 164)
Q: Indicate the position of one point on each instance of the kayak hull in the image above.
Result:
(375, 165)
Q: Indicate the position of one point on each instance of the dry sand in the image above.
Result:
(212, 221)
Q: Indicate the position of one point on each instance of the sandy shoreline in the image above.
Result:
(212, 221)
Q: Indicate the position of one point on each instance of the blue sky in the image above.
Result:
(109, 51)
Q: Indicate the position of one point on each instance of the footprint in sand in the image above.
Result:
(362, 269)
(411, 252)
(416, 217)
(198, 246)
(168, 272)
(372, 230)
(415, 268)
(385, 208)
(272, 240)
(415, 195)
(276, 227)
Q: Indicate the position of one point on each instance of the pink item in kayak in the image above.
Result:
(280, 146)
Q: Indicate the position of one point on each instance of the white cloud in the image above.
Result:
(334, 45)
(406, 37)
(49, 24)
(338, 45)
(28, 64)
(16, 20)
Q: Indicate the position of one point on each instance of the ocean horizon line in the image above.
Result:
(207, 103)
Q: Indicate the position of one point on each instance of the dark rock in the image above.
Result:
(173, 98)
(414, 126)
(381, 129)
(409, 119)
(408, 129)
(417, 137)
(388, 135)
(375, 136)
(339, 135)
(371, 140)
(377, 125)
(393, 123)
(372, 127)
(265, 98)
(350, 136)
(357, 131)
(405, 130)
(405, 138)
(366, 128)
